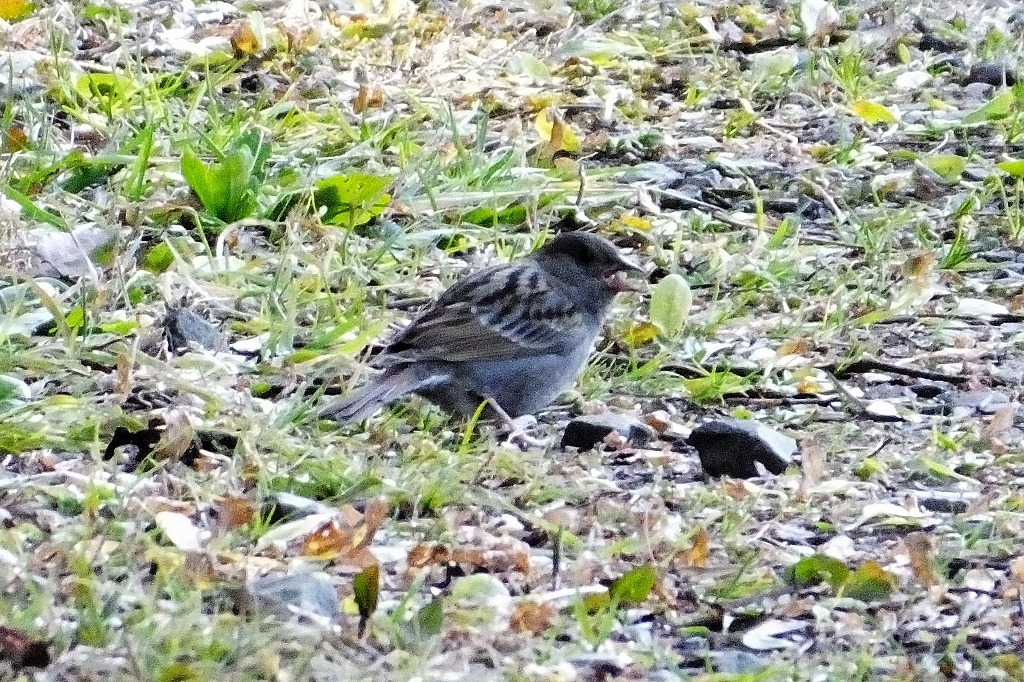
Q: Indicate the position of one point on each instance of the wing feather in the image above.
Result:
(502, 312)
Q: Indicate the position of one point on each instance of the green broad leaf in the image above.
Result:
(225, 188)
(261, 388)
(1014, 167)
(996, 108)
(135, 182)
(15, 439)
(365, 591)
(872, 112)
(158, 259)
(903, 53)
(429, 620)
(120, 328)
(715, 385)
(284, 205)
(75, 319)
(633, 588)
(943, 470)
(874, 317)
(868, 583)
(817, 569)
(868, 469)
(352, 200)
(949, 167)
(303, 355)
(85, 173)
(260, 150)
(513, 214)
(670, 304)
(178, 672)
(106, 88)
(533, 67)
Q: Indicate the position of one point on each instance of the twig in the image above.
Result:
(822, 194)
(846, 396)
(723, 217)
(865, 365)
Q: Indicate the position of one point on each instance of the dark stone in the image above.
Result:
(992, 73)
(587, 431)
(185, 327)
(733, 447)
(926, 390)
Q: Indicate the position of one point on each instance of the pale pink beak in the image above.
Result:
(617, 280)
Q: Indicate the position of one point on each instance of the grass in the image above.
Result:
(306, 195)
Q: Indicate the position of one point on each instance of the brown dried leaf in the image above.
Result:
(125, 376)
(919, 267)
(367, 98)
(176, 438)
(427, 554)
(533, 618)
(327, 542)
(812, 467)
(15, 140)
(919, 549)
(697, 555)
(734, 489)
(1000, 422)
(794, 347)
(235, 511)
(376, 513)
(982, 504)
(1017, 571)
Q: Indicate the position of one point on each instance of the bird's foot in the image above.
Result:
(519, 436)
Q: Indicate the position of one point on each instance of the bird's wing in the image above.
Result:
(507, 311)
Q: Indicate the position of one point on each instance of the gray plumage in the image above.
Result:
(517, 334)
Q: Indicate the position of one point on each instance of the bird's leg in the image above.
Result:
(517, 427)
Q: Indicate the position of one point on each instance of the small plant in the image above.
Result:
(228, 187)
(593, 10)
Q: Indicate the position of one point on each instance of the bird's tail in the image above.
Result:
(378, 392)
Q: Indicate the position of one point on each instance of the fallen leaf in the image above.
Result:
(244, 42)
(696, 555)
(919, 550)
(532, 617)
(179, 530)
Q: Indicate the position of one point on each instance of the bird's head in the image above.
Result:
(572, 255)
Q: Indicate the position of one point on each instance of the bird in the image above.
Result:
(513, 335)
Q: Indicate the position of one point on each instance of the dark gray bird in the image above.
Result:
(513, 335)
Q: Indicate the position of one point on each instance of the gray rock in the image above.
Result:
(304, 593)
(185, 327)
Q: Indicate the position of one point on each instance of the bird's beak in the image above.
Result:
(617, 280)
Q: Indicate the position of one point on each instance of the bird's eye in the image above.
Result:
(585, 258)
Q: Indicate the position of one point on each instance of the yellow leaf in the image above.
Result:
(556, 133)
(697, 555)
(872, 113)
(15, 9)
(632, 222)
(243, 41)
(640, 334)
